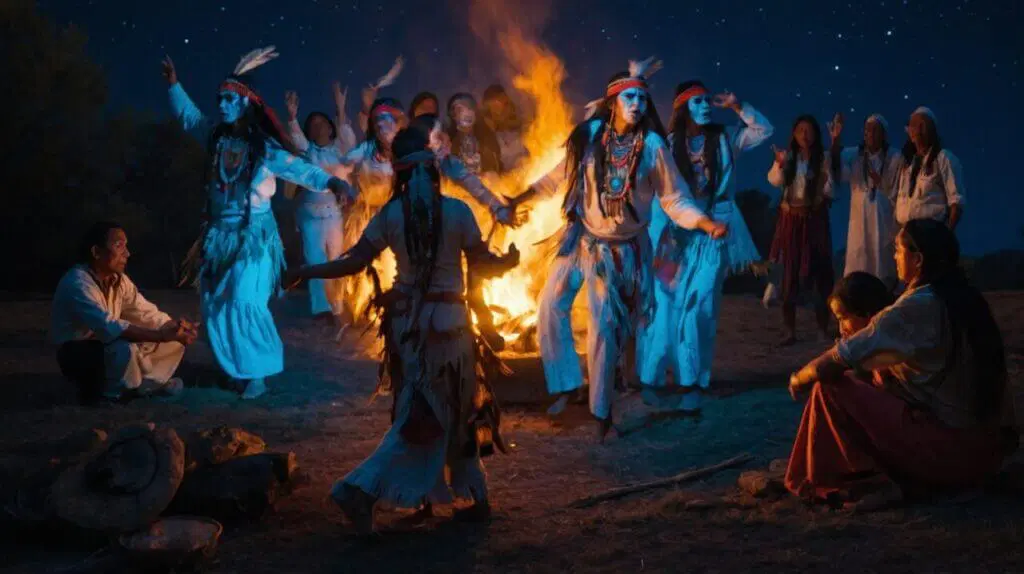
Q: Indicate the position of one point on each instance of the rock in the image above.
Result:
(760, 484)
(243, 488)
(219, 445)
(701, 504)
(778, 466)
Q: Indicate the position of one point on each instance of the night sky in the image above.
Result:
(961, 58)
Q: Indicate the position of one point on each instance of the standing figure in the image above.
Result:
(319, 215)
(242, 256)
(931, 182)
(802, 245)
(617, 163)
(502, 117)
(690, 266)
(472, 139)
(871, 169)
(443, 416)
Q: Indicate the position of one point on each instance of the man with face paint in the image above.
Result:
(871, 170)
(325, 143)
(617, 163)
(691, 267)
(931, 181)
(472, 141)
(241, 255)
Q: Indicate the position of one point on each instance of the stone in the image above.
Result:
(760, 484)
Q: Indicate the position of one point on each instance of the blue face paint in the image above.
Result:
(232, 106)
(700, 109)
(632, 104)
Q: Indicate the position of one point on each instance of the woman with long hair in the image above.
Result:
(691, 267)
(617, 163)
(241, 256)
(802, 245)
(444, 417)
(473, 141)
(931, 181)
(940, 414)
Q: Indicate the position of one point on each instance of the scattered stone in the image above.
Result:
(760, 484)
(778, 466)
(219, 445)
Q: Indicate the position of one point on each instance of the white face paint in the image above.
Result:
(632, 105)
(465, 117)
(232, 106)
(387, 127)
(700, 109)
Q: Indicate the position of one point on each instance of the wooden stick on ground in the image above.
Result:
(685, 476)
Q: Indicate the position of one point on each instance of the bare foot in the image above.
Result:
(254, 389)
(603, 426)
(559, 405)
(356, 505)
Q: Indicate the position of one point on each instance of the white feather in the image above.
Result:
(389, 78)
(591, 108)
(645, 68)
(255, 59)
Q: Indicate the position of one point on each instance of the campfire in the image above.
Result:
(513, 298)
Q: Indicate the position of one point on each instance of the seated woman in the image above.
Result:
(940, 418)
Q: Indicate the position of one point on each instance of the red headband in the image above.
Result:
(232, 85)
(386, 108)
(687, 94)
(617, 87)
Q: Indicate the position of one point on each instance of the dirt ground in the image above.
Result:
(319, 409)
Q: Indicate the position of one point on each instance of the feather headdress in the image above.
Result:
(639, 72)
(255, 59)
(389, 78)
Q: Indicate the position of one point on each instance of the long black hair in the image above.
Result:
(490, 151)
(681, 152)
(424, 224)
(580, 140)
(815, 161)
(970, 317)
(423, 97)
(910, 152)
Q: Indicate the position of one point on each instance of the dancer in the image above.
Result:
(617, 162)
(803, 242)
(691, 266)
(241, 254)
(871, 170)
(931, 181)
(442, 412)
(319, 215)
(472, 140)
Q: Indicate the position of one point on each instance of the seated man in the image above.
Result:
(112, 341)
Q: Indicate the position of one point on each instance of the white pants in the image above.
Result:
(323, 240)
(682, 336)
(610, 328)
(139, 366)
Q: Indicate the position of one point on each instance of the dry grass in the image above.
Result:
(319, 410)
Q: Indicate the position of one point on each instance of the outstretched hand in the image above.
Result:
(780, 154)
(291, 103)
(340, 96)
(726, 100)
(170, 74)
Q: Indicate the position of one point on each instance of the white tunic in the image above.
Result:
(869, 241)
(934, 192)
(796, 194)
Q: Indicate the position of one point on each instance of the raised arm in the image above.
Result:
(776, 177)
(754, 129)
(291, 102)
(675, 196)
(186, 112)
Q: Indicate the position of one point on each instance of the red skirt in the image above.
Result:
(851, 428)
(803, 247)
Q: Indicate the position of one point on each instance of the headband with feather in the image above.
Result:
(638, 74)
(389, 78)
